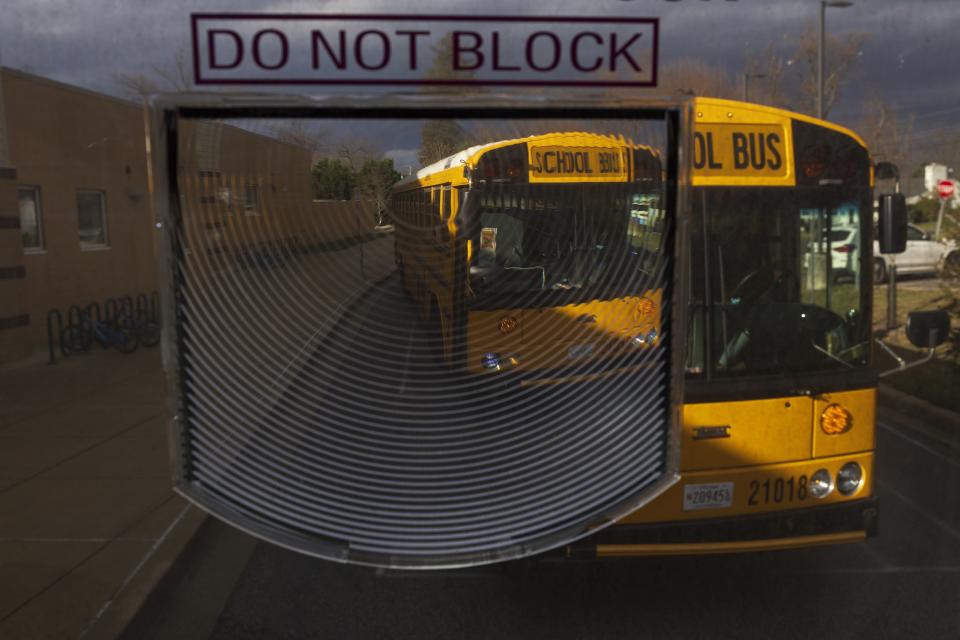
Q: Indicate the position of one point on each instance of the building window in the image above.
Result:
(31, 225)
(92, 214)
(251, 199)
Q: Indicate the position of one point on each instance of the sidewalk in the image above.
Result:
(85, 490)
(89, 522)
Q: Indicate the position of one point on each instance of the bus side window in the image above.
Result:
(443, 208)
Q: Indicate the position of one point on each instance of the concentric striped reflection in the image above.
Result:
(316, 413)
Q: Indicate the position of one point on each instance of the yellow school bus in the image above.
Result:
(536, 270)
(777, 435)
(777, 431)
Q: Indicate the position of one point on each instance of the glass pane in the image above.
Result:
(91, 218)
(786, 295)
(499, 324)
(30, 218)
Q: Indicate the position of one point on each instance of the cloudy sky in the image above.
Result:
(908, 59)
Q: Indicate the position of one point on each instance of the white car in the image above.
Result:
(923, 255)
(844, 252)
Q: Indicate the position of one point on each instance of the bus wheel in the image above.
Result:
(879, 271)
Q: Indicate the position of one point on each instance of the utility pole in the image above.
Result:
(820, 46)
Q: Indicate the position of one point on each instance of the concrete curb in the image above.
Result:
(118, 614)
(911, 405)
(126, 602)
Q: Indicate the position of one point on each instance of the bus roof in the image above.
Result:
(472, 154)
(783, 113)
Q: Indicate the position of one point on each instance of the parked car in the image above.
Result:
(923, 255)
(844, 253)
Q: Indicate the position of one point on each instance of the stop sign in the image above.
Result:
(945, 188)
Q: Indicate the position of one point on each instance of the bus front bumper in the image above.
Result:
(852, 521)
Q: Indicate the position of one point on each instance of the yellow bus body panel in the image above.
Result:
(772, 430)
(861, 406)
(668, 507)
(721, 119)
(558, 337)
(742, 146)
(757, 432)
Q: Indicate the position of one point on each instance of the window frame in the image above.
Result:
(38, 205)
(90, 246)
(251, 208)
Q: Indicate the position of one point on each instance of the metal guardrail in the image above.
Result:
(140, 307)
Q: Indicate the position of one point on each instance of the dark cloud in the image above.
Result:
(907, 60)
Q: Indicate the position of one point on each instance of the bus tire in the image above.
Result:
(879, 271)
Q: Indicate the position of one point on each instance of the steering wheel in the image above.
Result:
(767, 284)
(757, 285)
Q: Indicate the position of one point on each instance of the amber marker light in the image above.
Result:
(835, 420)
(645, 306)
(507, 324)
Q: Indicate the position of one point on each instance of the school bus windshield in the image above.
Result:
(783, 279)
(589, 238)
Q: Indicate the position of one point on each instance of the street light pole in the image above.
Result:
(746, 83)
(820, 46)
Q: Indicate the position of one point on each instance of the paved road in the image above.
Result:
(903, 584)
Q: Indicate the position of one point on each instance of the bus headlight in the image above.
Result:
(652, 336)
(490, 361)
(821, 483)
(849, 478)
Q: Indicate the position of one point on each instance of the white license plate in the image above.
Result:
(580, 351)
(716, 495)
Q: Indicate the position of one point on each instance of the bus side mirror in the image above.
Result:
(886, 171)
(893, 223)
(925, 329)
(928, 329)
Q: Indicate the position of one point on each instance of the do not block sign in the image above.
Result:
(298, 49)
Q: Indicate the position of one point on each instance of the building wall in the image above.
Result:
(241, 192)
(63, 139)
(217, 167)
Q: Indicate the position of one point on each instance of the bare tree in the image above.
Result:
(373, 174)
(888, 134)
(173, 76)
(696, 77)
(136, 86)
(355, 151)
(766, 74)
(298, 133)
(841, 58)
(176, 74)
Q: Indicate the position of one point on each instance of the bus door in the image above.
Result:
(774, 321)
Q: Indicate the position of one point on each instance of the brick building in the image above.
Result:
(75, 212)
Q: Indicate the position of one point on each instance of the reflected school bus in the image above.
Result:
(526, 253)
(778, 421)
